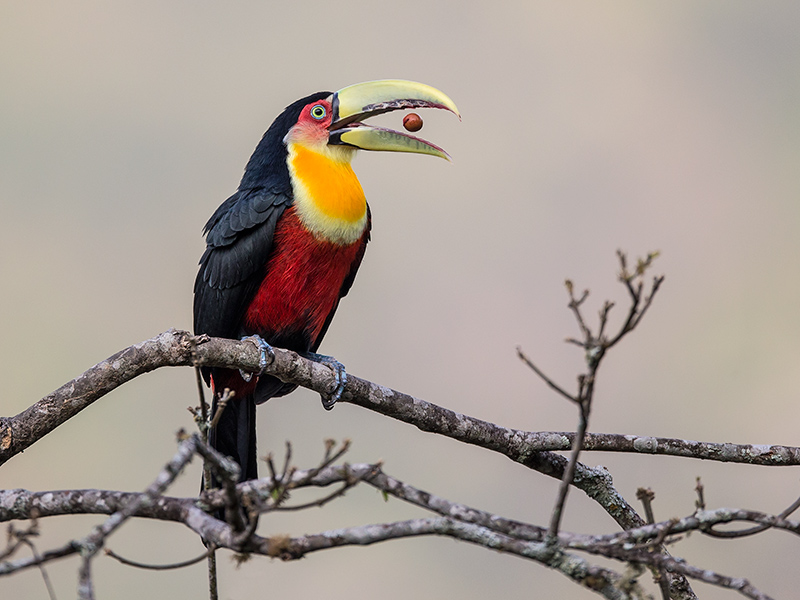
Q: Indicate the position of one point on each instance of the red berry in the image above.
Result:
(412, 122)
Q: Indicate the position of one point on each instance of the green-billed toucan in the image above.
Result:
(284, 248)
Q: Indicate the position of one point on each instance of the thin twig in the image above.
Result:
(165, 567)
(569, 476)
(13, 566)
(213, 586)
(752, 530)
(552, 384)
(575, 306)
(646, 497)
(227, 472)
(700, 503)
(50, 591)
(92, 543)
(222, 402)
(205, 426)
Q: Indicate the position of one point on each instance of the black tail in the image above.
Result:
(235, 435)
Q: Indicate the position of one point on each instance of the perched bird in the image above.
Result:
(284, 249)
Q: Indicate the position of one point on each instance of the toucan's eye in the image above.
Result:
(318, 112)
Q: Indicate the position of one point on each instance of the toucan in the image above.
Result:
(285, 247)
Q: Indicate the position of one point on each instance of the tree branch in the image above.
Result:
(457, 520)
(178, 348)
(174, 348)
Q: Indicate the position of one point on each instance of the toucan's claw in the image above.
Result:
(339, 374)
(266, 351)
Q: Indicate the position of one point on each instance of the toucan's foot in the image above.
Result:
(266, 358)
(339, 374)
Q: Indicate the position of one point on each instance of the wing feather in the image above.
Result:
(239, 239)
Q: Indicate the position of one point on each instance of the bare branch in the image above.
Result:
(171, 349)
(174, 348)
(595, 349)
(635, 545)
(751, 454)
(674, 565)
(597, 579)
(527, 448)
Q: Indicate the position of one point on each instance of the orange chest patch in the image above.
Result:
(329, 198)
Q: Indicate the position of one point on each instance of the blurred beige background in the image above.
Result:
(587, 127)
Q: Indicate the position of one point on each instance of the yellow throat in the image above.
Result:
(328, 196)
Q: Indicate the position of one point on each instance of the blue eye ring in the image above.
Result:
(318, 112)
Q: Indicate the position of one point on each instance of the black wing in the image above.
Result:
(239, 239)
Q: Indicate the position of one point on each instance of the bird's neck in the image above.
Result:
(328, 197)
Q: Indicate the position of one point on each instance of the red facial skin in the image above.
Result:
(312, 129)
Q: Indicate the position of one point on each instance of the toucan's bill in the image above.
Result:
(355, 103)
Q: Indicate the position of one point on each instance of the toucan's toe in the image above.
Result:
(340, 376)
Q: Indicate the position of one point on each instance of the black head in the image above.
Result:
(267, 165)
